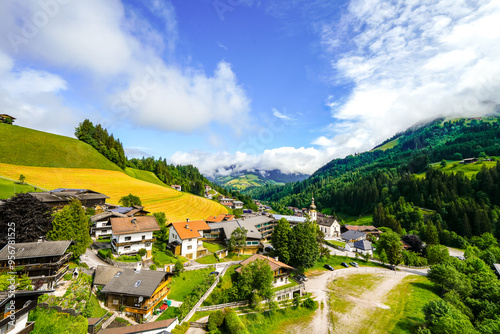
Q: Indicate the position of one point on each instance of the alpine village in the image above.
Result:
(403, 238)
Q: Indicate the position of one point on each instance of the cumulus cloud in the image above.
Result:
(288, 160)
(117, 53)
(410, 61)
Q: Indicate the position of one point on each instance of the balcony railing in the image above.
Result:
(41, 266)
(131, 242)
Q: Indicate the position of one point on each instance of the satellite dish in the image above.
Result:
(140, 299)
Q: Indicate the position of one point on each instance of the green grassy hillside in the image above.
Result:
(9, 188)
(27, 147)
(245, 181)
(144, 176)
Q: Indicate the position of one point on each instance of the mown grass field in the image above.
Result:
(156, 198)
(405, 303)
(28, 147)
(183, 284)
(452, 166)
(357, 220)
(387, 145)
(8, 188)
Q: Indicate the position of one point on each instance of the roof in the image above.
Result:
(326, 221)
(362, 228)
(104, 274)
(36, 249)
(105, 215)
(273, 263)
(192, 229)
(134, 224)
(140, 328)
(238, 202)
(5, 296)
(129, 211)
(363, 244)
(291, 219)
(352, 235)
(497, 267)
(219, 218)
(126, 282)
(66, 194)
(5, 115)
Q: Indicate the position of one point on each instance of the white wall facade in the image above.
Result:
(189, 246)
(136, 240)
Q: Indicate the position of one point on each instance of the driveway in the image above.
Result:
(91, 259)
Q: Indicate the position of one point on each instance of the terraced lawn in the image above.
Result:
(156, 198)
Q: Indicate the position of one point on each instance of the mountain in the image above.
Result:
(244, 180)
(422, 167)
(50, 161)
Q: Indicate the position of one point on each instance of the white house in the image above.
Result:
(363, 247)
(185, 238)
(102, 225)
(176, 187)
(329, 226)
(281, 271)
(238, 204)
(130, 234)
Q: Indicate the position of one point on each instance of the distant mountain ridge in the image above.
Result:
(246, 179)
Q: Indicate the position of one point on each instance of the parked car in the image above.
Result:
(269, 249)
(390, 266)
(354, 264)
(329, 267)
(216, 273)
(302, 277)
(344, 264)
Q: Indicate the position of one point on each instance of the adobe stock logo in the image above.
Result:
(30, 26)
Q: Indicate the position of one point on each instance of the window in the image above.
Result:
(127, 248)
(190, 247)
(104, 231)
(143, 237)
(115, 301)
(148, 244)
(128, 238)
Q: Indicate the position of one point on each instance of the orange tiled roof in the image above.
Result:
(219, 218)
(192, 229)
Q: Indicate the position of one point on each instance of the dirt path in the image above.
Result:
(318, 286)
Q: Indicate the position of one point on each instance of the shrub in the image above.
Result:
(179, 268)
(310, 304)
(233, 324)
(181, 329)
(152, 267)
(68, 277)
(142, 251)
(104, 253)
(215, 320)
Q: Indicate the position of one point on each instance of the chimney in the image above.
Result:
(277, 258)
(187, 219)
(138, 267)
(134, 221)
(187, 225)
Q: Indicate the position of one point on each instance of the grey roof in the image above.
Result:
(63, 194)
(141, 328)
(326, 221)
(249, 224)
(104, 274)
(352, 235)
(291, 219)
(36, 249)
(105, 215)
(125, 283)
(363, 244)
(497, 267)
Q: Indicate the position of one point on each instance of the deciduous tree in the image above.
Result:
(130, 200)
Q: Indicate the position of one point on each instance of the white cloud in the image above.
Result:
(280, 115)
(410, 61)
(107, 46)
(288, 160)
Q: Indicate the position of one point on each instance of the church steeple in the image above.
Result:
(312, 211)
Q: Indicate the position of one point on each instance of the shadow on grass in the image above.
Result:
(407, 325)
(427, 286)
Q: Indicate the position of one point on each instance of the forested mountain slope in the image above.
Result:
(358, 183)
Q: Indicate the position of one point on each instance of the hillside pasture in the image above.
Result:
(28, 147)
(452, 166)
(9, 188)
(156, 198)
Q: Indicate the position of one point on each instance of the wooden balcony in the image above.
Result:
(41, 266)
(149, 304)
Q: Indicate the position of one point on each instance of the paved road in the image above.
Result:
(91, 259)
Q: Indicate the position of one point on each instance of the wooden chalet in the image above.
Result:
(137, 292)
(60, 197)
(4, 118)
(44, 262)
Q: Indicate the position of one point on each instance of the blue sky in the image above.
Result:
(272, 84)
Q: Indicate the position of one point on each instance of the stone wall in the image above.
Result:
(58, 308)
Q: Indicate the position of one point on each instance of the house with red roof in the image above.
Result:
(185, 238)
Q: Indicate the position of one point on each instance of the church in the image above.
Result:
(329, 226)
